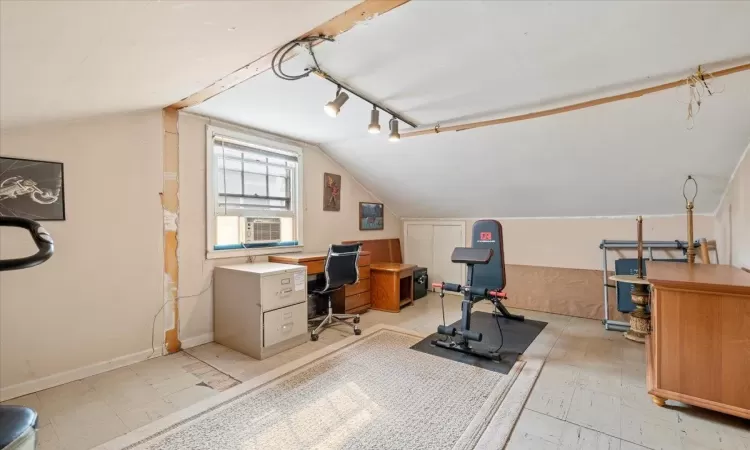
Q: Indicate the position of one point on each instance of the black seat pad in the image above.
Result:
(14, 421)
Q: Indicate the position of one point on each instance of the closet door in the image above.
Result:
(445, 239)
(419, 245)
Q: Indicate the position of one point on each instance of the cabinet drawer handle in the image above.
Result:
(286, 291)
(287, 327)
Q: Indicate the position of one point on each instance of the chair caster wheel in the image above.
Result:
(356, 320)
(357, 331)
(314, 337)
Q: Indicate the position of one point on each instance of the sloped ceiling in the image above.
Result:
(444, 61)
(67, 59)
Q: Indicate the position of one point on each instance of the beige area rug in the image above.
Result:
(365, 392)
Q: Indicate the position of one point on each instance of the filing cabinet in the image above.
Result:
(260, 309)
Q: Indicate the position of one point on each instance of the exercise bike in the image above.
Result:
(18, 423)
(485, 280)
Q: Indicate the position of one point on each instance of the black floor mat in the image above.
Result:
(516, 338)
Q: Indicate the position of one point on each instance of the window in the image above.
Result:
(253, 194)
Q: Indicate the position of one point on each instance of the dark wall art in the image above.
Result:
(31, 189)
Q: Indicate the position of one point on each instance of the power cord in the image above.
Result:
(283, 51)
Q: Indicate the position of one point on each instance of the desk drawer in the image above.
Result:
(359, 287)
(356, 301)
(284, 323)
(280, 290)
(364, 272)
(364, 260)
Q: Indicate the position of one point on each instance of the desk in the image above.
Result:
(698, 349)
(392, 286)
(351, 299)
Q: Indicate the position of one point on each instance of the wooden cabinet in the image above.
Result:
(699, 349)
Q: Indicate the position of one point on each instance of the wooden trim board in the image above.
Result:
(170, 206)
(345, 21)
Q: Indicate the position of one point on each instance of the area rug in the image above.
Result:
(365, 392)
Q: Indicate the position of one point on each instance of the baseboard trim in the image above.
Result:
(197, 340)
(39, 384)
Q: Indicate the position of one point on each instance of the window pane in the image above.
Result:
(253, 167)
(255, 184)
(233, 181)
(277, 186)
(279, 171)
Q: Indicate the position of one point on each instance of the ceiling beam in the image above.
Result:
(568, 108)
(345, 21)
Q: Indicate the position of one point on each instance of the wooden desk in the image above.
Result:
(351, 299)
(392, 286)
(699, 348)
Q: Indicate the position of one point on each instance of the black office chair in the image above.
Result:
(341, 269)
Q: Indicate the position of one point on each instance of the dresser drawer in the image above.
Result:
(356, 301)
(285, 323)
(283, 289)
(358, 287)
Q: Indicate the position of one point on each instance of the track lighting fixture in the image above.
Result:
(333, 107)
(374, 127)
(393, 125)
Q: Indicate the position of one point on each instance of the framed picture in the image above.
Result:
(31, 189)
(331, 192)
(370, 216)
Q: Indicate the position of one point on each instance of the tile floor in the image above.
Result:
(590, 394)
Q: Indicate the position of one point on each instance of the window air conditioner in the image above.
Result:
(262, 229)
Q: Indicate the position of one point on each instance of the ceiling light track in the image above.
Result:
(341, 85)
(333, 107)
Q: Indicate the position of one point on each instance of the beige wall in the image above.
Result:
(733, 218)
(320, 228)
(95, 299)
(574, 243)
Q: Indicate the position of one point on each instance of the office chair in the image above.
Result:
(341, 269)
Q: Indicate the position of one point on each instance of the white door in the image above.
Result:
(419, 245)
(445, 239)
(431, 246)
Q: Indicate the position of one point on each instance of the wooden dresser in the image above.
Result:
(699, 348)
(352, 299)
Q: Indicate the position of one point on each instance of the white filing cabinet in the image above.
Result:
(260, 309)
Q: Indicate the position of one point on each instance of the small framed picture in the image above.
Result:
(31, 189)
(331, 192)
(370, 216)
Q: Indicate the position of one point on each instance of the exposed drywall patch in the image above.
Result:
(170, 221)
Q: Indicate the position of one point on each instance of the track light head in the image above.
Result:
(333, 107)
(374, 127)
(393, 125)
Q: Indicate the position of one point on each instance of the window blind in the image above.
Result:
(249, 178)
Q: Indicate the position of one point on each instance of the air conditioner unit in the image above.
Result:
(262, 229)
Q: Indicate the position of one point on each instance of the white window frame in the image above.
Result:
(263, 143)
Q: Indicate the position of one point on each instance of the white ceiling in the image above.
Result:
(69, 59)
(437, 61)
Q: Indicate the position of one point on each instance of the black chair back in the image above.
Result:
(488, 234)
(342, 266)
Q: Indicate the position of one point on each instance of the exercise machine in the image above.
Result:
(485, 280)
(18, 423)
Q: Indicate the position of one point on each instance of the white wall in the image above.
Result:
(573, 243)
(95, 299)
(320, 228)
(733, 217)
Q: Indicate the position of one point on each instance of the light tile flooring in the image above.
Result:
(590, 395)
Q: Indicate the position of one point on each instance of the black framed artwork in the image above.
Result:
(31, 189)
